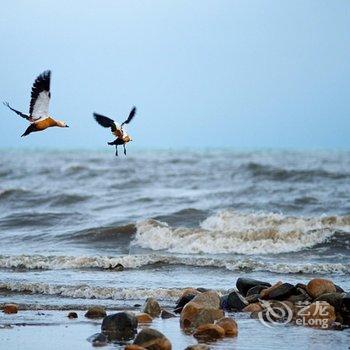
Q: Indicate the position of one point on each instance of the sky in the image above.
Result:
(227, 74)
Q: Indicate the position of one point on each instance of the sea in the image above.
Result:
(83, 227)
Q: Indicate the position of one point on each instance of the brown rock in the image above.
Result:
(319, 314)
(319, 286)
(152, 339)
(96, 312)
(189, 291)
(194, 314)
(254, 307)
(209, 299)
(166, 314)
(198, 347)
(10, 309)
(144, 318)
(72, 315)
(134, 347)
(152, 307)
(265, 292)
(229, 325)
(209, 332)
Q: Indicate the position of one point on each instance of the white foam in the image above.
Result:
(54, 262)
(85, 291)
(137, 261)
(232, 232)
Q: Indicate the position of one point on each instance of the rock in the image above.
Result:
(134, 347)
(300, 298)
(208, 332)
(319, 314)
(255, 290)
(253, 298)
(334, 299)
(189, 291)
(152, 339)
(203, 290)
(233, 302)
(182, 302)
(301, 295)
(209, 299)
(72, 315)
(223, 302)
(10, 309)
(117, 267)
(282, 292)
(95, 312)
(152, 307)
(229, 325)
(244, 284)
(194, 314)
(345, 309)
(301, 286)
(144, 318)
(319, 286)
(339, 289)
(98, 339)
(198, 347)
(254, 307)
(120, 326)
(166, 314)
(265, 292)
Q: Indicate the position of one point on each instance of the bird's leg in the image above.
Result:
(116, 150)
(124, 149)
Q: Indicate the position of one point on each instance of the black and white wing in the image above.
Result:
(40, 98)
(105, 121)
(25, 116)
(130, 117)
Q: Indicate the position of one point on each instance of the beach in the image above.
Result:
(81, 228)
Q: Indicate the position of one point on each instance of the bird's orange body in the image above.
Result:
(45, 123)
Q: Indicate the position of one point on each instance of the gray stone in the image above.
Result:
(244, 284)
(233, 302)
(120, 326)
(334, 299)
(282, 292)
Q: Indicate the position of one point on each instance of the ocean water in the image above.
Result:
(173, 219)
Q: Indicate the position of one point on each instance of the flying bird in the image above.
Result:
(38, 116)
(122, 138)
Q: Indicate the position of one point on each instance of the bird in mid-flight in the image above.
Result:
(117, 130)
(39, 106)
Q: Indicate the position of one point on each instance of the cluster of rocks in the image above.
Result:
(320, 303)
(200, 316)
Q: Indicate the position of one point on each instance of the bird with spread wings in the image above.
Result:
(122, 138)
(38, 116)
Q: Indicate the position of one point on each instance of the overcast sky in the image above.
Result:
(238, 74)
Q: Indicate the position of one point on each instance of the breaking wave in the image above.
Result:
(241, 233)
(85, 291)
(41, 262)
